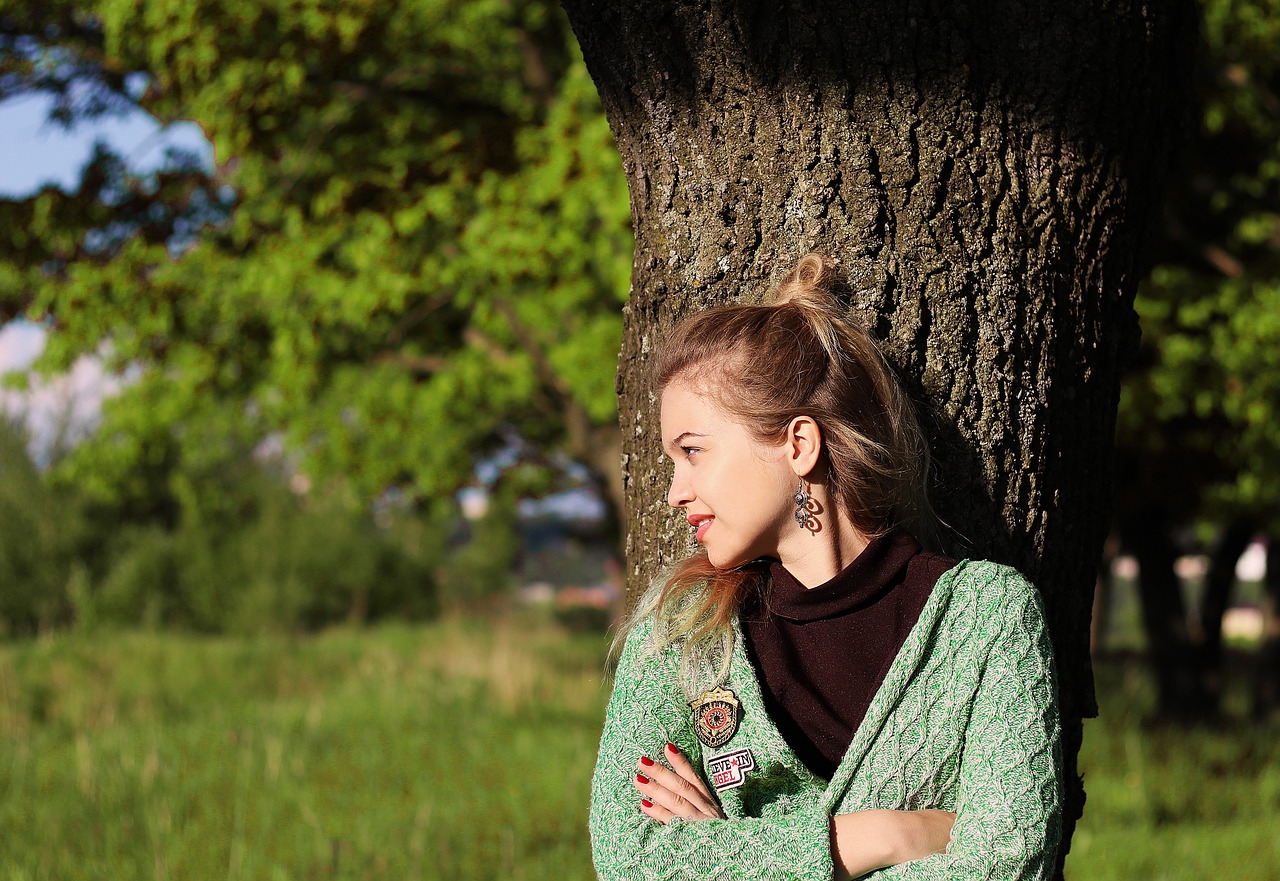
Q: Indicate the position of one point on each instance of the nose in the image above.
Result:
(679, 494)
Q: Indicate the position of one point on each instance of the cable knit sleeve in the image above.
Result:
(646, 710)
(1008, 806)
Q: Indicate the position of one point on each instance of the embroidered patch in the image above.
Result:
(729, 771)
(715, 716)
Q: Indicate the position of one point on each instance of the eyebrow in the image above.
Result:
(674, 443)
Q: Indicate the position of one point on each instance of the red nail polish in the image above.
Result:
(640, 778)
(646, 761)
(671, 747)
(646, 802)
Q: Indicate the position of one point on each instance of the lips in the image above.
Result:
(701, 523)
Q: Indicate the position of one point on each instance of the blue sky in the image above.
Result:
(34, 152)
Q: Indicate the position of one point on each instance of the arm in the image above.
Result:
(860, 841)
(1008, 808)
(646, 711)
(867, 840)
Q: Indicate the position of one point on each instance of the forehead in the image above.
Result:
(686, 408)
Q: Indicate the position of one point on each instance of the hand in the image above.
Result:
(677, 792)
(867, 840)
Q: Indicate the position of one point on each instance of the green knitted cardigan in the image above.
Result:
(966, 720)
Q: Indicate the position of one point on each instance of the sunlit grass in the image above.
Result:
(1169, 803)
(461, 750)
(456, 750)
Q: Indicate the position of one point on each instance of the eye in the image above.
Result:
(689, 451)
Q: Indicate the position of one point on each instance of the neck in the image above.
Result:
(814, 557)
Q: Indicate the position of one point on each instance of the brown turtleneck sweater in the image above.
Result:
(822, 652)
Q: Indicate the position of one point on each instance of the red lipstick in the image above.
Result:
(701, 523)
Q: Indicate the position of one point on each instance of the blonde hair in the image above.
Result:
(765, 365)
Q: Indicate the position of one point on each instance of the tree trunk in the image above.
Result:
(1266, 690)
(1218, 584)
(983, 173)
(1170, 652)
(1103, 595)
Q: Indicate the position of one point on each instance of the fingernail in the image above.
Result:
(671, 747)
(645, 760)
(646, 802)
(640, 778)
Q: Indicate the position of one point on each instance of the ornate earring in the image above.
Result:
(801, 498)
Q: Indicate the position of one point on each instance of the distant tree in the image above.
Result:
(414, 236)
(1199, 432)
(983, 173)
(40, 527)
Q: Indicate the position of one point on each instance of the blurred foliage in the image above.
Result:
(289, 565)
(414, 235)
(272, 561)
(1200, 417)
(41, 528)
(484, 563)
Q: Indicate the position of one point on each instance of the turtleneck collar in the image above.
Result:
(880, 566)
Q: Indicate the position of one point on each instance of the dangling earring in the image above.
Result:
(801, 498)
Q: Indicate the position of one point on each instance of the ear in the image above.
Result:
(804, 444)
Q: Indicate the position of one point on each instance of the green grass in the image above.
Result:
(459, 750)
(1168, 803)
(456, 750)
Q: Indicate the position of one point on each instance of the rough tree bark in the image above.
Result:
(983, 172)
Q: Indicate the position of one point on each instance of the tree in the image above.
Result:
(413, 238)
(40, 527)
(1200, 418)
(983, 175)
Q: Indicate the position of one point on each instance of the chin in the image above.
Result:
(723, 561)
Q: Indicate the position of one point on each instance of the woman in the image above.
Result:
(812, 695)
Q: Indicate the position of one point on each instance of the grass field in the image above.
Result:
(457, 750)
(1167, 803)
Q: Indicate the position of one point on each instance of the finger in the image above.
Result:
(685, 769)
(657, 812)
(664, 798)
(674, 794)
(691, 790)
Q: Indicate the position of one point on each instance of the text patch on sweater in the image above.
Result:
(729, 771)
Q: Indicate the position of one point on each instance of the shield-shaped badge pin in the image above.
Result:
(715, 716)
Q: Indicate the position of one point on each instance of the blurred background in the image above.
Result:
(309, 315)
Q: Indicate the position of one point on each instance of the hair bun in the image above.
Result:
(810, 283)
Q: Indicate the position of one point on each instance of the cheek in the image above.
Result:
(756, 503)
(775, 485)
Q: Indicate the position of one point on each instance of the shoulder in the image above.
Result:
(642, 628)
(927, 567)
(993, 597)
(636, 642)
(994, 581)
(645, 674)
(645, 637)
